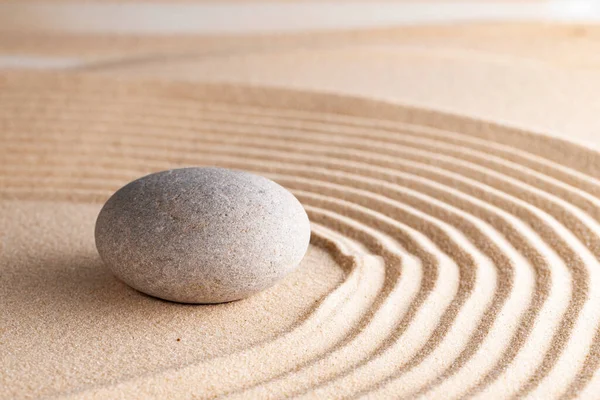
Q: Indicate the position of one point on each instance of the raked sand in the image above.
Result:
(450, 257)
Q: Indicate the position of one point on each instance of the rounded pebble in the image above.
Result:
(202, 235)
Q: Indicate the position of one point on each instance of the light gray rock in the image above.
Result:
(202, 235)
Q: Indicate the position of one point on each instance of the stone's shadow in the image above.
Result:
(78, 288)
(74, 281)
(67, 313)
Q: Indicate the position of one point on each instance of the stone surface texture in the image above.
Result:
(202, 235)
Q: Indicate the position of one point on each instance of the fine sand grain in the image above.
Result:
(449, 257)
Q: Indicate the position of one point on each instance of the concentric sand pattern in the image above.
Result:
(470, 251)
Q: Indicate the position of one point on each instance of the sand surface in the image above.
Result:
(452, 255)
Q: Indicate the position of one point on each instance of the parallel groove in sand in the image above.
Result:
(246, 166)
(559, 335)
(429, 232)
(375, 184)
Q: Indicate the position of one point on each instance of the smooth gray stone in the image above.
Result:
(202, 235)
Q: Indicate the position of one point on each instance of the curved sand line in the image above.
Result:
(499, 199)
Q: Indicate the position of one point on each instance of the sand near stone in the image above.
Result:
(452, 255)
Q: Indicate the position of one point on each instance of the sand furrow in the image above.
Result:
(470, 250)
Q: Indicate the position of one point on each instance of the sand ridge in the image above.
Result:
(469, 250)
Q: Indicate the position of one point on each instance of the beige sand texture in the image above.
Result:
(451, 257)
(493, 71)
